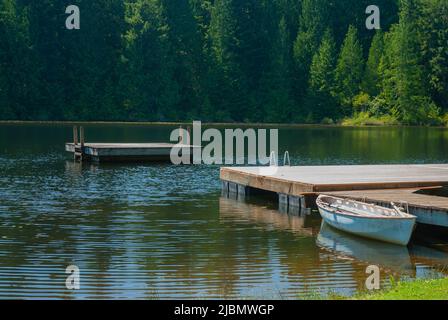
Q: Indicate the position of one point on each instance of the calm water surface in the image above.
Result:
(151, 231)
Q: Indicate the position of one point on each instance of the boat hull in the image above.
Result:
(396, 231)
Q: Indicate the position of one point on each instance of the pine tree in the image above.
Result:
(227, 83)
(184, 37)
(372, 82)
(323, 64)
(93, 55)
(313, 22)
(54, 52)
(152, 91)
(19, 67)
(410, 72)
(201, 10)
(349, 70)
(433, 30)
(320, 99)
(277, 81)
(404, 89)
(254, 55)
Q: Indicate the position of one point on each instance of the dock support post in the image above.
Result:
(295, 205)
(242, 191)
(79, 149)
(303, 203)
(189, 138)
(75, 143)
(75, 135)
(81, 136)
(235, 190)
(294, 201)
(292, 204)
(225, 188)
(283, 199)
(283, 202)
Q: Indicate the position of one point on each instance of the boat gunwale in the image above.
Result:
(326, 207)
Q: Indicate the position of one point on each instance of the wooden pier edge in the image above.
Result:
(260, 182)
(297, 188)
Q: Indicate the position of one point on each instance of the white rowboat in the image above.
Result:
(367, 220)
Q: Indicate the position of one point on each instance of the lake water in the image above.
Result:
(154, 231)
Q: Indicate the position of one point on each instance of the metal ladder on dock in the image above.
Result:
(79, 147)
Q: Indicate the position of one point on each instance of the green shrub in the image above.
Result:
(327, 121)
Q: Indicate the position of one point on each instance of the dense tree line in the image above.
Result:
(306, 61)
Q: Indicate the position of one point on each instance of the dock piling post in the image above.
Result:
(233, 188)
(75, 135)
(293, 204)
(81, 136)
(79, 149)
(283, 202)
(303, 203)
(189, 142)
(243, 191)
(283, 199)
(225, 188)
(294, 201)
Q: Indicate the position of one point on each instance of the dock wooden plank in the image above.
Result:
(302, 179)
(407, 195)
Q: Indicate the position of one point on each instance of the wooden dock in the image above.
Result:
(120, 152)
(381, 184)
(114, 152)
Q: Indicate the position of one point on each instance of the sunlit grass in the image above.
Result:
(421, 289)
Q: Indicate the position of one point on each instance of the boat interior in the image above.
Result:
(361, 208)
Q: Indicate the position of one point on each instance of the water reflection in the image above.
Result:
(369, 251)
(326, 259)
(301, 270)
(265, 218)
(430, 248)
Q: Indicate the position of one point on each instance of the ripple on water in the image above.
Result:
(161, 231)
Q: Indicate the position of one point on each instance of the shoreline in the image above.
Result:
(219, 124)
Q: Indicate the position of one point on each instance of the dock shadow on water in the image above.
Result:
(151, 231)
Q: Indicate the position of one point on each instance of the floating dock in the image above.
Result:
(121, 152)
(299, 186)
